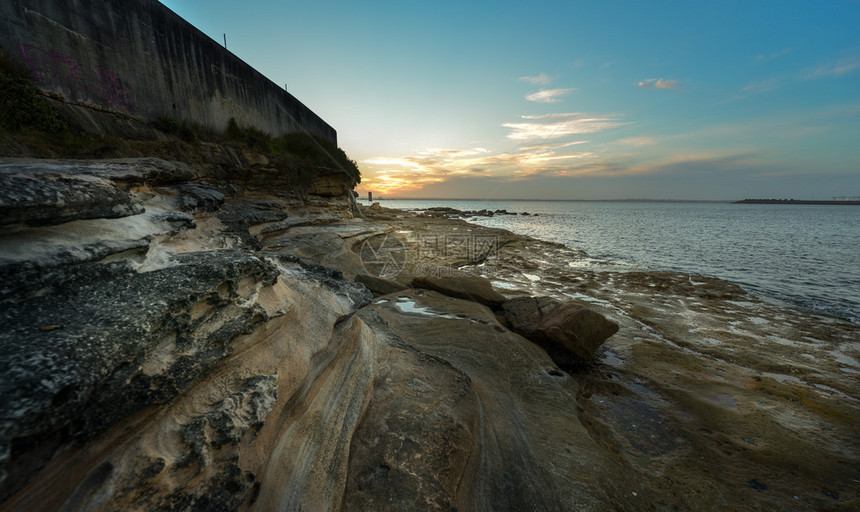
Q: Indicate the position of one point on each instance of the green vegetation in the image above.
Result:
(186, 131)
(299, 146)
(22, 107)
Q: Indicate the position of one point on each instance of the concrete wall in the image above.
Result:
(140, 58)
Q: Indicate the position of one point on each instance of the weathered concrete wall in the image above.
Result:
(140, 58)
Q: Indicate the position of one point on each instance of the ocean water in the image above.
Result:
(807, 256)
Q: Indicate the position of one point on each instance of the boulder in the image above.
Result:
(569, 332)
(379, 285)
(474, 288)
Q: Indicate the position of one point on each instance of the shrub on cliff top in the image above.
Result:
(297, 146)
(184, 130)
(22, 107)
(306, 147)
(248, 136)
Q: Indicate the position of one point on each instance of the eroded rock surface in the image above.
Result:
(220, 357)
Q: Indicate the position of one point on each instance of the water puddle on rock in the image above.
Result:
(407, 305)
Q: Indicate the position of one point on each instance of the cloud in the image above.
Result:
(834, 69)
(638, 141)
(548, 95)
(410, 173)
(765, 57)
(554, 126)
(553, 146)
(716, 163)
(763, 85)
(541, 79)
(658, 83)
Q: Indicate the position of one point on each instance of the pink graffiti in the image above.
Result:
(100, 86)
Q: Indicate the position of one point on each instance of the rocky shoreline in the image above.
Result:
(178, 339)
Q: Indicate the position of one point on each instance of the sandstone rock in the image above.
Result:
(128, 340)
(563, 329)
(379, 285)
(466, 415)
(476, 288)
(330, 183)
(294, 370)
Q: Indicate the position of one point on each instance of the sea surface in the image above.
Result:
(807, 256)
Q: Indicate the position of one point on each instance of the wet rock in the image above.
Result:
(474, 288)
(379, 285)
(569, 332)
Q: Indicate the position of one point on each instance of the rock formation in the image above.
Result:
(203, 336)
(157, 354)
(569, 332)
(476, 288)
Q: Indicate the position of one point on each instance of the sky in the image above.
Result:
(701, 100)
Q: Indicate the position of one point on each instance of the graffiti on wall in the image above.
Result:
(100, 86)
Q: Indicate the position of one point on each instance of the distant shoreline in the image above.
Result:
(794, 201)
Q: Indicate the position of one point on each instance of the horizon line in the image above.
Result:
(641, 200)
